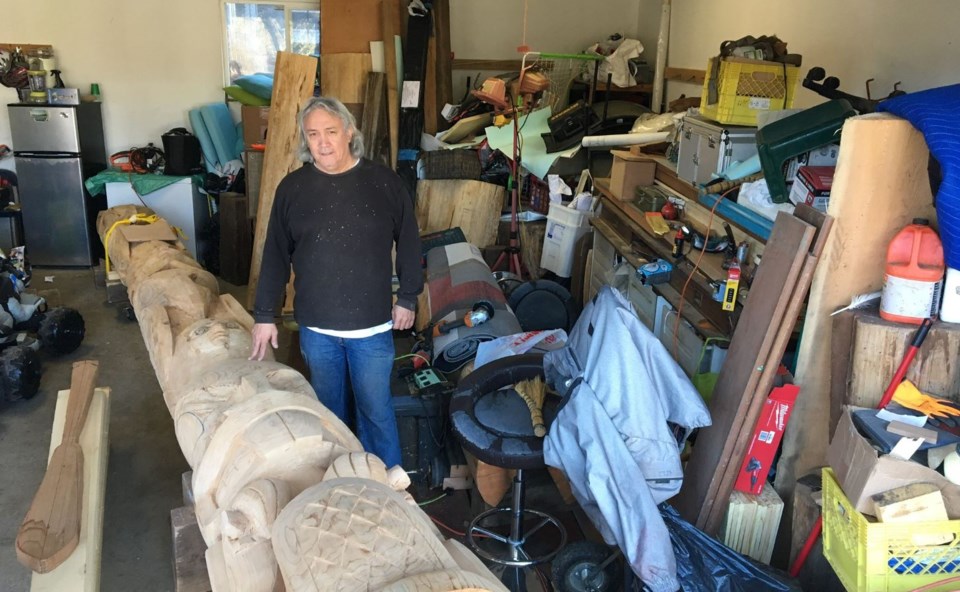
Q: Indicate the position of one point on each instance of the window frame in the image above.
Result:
(288, 7)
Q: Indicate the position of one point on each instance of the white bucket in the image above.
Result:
(565, 226)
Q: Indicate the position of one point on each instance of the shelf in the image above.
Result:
(689, 313)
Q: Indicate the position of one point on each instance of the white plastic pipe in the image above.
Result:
(624, 139)
(663, 41)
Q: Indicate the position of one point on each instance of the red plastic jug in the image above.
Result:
(913, 280)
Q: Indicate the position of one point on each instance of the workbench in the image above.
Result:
(622, 234)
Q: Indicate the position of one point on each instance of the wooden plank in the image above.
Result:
(880, 185)
(390, 19)
(690, 75)
(236, 243)
(344, 76)
(878, 347)
(841, 346)
(349, 27)
(749, 351)
(81, 570)
(431, 110)
(444, 57)
(26, 48)
(759, 395)
(373, 127)
(293, 85)
(189, 561)
(822, 225)
(474, 206)
(51, 529)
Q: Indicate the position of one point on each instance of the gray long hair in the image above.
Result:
(333, 107)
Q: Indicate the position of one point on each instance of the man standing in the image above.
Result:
(336, 220)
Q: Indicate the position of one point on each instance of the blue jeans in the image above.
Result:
(369, 361)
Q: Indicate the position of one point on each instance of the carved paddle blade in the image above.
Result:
(51, 529)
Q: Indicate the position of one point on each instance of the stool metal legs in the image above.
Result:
(516, 557)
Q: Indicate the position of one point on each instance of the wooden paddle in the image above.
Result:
(51, 529)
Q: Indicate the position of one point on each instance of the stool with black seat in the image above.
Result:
(493, 424)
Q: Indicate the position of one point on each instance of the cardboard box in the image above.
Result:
(812, 186)
(766, 439)
(139, 233)
(255, 121)
(863, 473)
(629, 171)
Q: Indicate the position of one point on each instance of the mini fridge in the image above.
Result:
(56, 148)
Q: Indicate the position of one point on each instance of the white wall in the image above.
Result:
(156, 60)
(889, 40)
(153, 60)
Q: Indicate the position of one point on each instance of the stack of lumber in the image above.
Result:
(752, 523)
(756, 348)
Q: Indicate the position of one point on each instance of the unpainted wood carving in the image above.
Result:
(285, 497)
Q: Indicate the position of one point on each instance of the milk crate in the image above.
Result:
(884, 557)
(746, 88)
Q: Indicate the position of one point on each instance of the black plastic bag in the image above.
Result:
(706, 565)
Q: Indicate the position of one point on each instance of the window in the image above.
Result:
(254, 32)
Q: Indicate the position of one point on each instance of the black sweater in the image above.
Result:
(338, 232)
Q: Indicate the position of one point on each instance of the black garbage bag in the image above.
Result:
(706, 565)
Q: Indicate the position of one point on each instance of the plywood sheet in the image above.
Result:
(81, 570)
(879, 186)
(292, 86)
(344, 76)
(474, 206)
(349, 27)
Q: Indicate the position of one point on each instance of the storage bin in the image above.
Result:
(882, 557)
(747, 87)
(707, 148)
(565, 226)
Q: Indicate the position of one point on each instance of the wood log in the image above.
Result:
(878, 347)
(474, 206)
(51, 529)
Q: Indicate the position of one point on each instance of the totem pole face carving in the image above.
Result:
(211, 341)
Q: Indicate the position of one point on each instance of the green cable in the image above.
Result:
(436, 499)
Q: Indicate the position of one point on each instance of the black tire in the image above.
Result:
(574, 569)
(19, 373)
(61, 330)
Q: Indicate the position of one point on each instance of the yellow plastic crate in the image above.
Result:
(878, 557)
(748, 87)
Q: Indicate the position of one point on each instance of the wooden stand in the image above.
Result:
(80, 572)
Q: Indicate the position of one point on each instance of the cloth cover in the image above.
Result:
(936, 113)
(611, 437)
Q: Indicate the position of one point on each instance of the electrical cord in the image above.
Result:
(696, 266)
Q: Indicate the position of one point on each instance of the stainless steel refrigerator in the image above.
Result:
(56, 148)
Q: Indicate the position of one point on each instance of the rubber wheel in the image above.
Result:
(61, 330)
(574, 569)
(19, 373)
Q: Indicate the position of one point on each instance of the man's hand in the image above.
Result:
(263, 334)
(402, 318)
